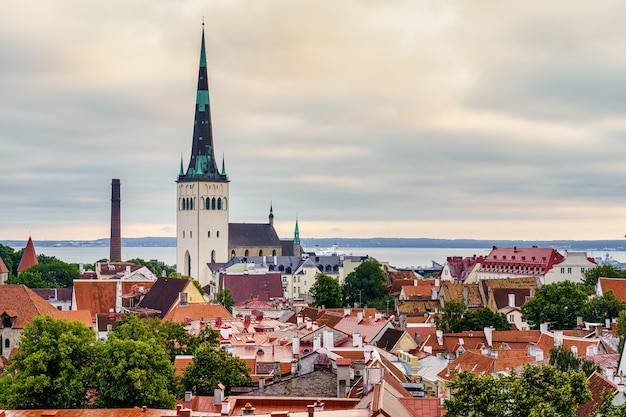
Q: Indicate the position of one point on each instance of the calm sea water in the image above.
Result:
(398, 257)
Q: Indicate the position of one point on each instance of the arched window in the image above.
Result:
(190, 234)
(217, 234)
(274, 252)
(187, 264)
(261, 253)
(201, 203)
(207, 204)
(7, 343)
(213, 203)
(225, 205)
(183, 233)
(232, 254)
(219, 203)
(213, 256)
(246, 253)
(208, 234)
(288, 270)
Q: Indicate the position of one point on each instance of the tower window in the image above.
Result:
(207, 204)
(183, 233)
(219, 203)
(213, 203)
(208, 234)
(190, 234)
(217, 234)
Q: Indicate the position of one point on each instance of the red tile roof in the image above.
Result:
(3, 267)
(99, 296)
(368, 327)
(531, 261)
(460, 267)
(196, 311)
(617, 285)
(29, 258)
(597, 385)
(93, 412)
(24, 303)
(83, 316)
(249, 286)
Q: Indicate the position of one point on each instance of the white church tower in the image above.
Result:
(202, 191)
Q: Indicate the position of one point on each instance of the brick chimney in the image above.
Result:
(115, 244)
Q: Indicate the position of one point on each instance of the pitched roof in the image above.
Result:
(532, 261)
(100, 296)
(93, 412)
(617, 285)
(263, 286)
(196, 311)
(368, 327)
(501, 296)
(29, 258)
(477, 363)
(83, 316)
(3, 267)
(460, 267)
(598, 384)
(458, 292)
(56, 294)
(389, 339)
(252, 235)
(163, 294)
(21, 302)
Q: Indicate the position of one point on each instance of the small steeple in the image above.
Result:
(29, 257)
(181, 173)
(296, 233)
(271, 214)
(223, 165)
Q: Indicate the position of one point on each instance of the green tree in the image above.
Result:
(6, 254)
(450, 317)
(157, 268)
(56, 274)
(485, 317)
(564, 360)
(212, 365)
(366, 283)
(558, 304)
(32, 279)
(477, 396)
(590, 277)
(134, 373)
(536, 391)
(53, 366)
(607, 306)
(225, 297)
(326, 291)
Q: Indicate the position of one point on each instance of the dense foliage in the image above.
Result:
(566, 361)
(590, 278)
(60, 364)
(455, 317)
(212, 365)
(557, 304)
(536, 391)
(326, 291)
(366, 284)
(225, 297)
(53, 366)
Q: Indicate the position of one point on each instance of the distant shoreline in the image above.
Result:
(576, 245)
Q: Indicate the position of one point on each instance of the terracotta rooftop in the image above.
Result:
(617, 285)
(196, 311)
(532, 261)
(368, 327)
(84, 316)
(29, 258)
(598, 384)
(3, 267)
(92, 412)
(100, 296)
(264, 287)
(474, 361)
(21, 301)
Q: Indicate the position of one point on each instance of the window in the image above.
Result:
(217, 234)
(294, 280)
(7, 343)
(569, 270)
(219, 203)
(190, 233)
(562, 270)
(182, 297)
(183, 233)
(582, 270)
(511, 318)
(208, 234)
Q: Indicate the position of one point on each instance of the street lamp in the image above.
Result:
(360, 298)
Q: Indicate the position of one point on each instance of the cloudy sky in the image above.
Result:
(443, 119)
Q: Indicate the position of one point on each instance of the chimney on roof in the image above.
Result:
(248, 410)
(465, 294)
(511, 300)
(295, 346)
(558, 338)
(317, 342)
(115, 243)
(357, 340)
(359, 316)
(218, 394)
(489, 335)
(188, 396)
(329, 340)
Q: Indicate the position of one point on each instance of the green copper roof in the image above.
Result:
(296, 234)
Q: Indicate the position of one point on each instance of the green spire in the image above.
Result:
(223, 165)
(296, 233)
(181, 173)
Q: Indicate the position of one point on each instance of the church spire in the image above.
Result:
(296, 233)
(202, 164)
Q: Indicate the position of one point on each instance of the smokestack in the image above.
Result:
(116, 231)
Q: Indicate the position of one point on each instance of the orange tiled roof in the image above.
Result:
(417, 290)
(598, 383)
(93, 412)
(368, 327)
(3, 267)
(24, 303)
(617, 285)
(83, 316)
(546, 343)
(181, 362)
(29, 258)
(477, 363)
(99, 296)
(196, 311)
